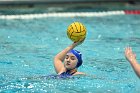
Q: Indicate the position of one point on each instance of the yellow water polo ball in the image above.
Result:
(76, 31)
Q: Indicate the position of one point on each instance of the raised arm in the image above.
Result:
(59, 58)
(131, 57)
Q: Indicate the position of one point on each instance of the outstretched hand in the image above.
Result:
(79, 42)
(130, 56)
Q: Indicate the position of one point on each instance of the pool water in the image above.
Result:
(27, 48)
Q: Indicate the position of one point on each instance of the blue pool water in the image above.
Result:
(27, 48)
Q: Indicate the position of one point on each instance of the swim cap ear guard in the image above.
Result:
(78, 56)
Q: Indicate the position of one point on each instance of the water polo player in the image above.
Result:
(72, 60)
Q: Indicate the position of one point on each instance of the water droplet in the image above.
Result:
(56, 38)
(99, 36)
(8, 37)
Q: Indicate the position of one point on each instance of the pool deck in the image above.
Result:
(26, 2)
(10, 4)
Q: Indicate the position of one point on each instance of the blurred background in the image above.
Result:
(13, 6)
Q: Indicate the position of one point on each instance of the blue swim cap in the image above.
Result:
(78, 56)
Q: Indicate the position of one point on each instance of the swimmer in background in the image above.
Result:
(131, 57)
(72, 61)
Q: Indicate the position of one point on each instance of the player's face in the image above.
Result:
(70, 61)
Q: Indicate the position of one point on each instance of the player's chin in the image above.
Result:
(68, 67)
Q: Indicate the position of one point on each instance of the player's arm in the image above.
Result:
(131, 57)
(59, 58)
